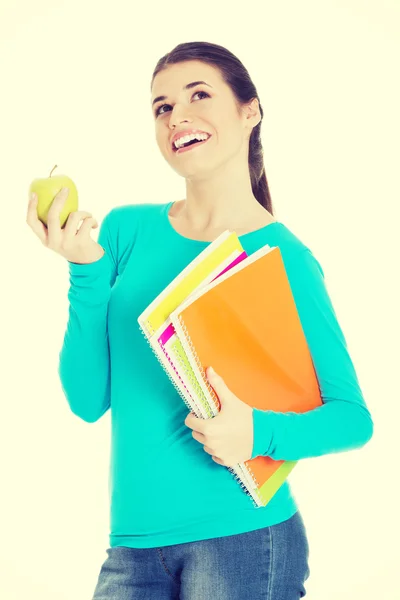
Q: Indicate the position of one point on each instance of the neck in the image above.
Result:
(215, 204)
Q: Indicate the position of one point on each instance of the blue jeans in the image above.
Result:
(265, 564)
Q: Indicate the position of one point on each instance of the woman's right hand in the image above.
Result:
(75, 245)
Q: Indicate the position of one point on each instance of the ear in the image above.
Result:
(253, 112)
(252, 115)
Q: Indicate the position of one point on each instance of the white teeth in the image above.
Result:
(183, 140)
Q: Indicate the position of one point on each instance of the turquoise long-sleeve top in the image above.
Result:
(164, 488)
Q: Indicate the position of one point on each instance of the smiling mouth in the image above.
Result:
(190, 144)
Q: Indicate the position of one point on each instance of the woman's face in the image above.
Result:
(210, 108)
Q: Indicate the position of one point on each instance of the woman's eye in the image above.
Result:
(162, 106)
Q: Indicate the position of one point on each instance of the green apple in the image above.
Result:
(47, 189)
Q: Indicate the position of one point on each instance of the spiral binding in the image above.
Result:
(191, 408)
(212, 395)
(200, 413)
(235, 471)
(212, 411)
(254, 492)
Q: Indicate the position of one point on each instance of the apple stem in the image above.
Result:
(55, 166)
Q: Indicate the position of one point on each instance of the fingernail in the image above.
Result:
(211, 371)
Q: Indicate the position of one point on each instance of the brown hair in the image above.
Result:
(237, 77)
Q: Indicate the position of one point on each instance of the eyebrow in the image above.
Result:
(186, 87)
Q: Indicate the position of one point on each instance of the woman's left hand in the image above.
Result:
(228, 436)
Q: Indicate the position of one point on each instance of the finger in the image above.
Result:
(34, 222)
(71, 225)
(86, 227)
(199, 437)
(54, 235)
(195, 423)
(216, 381)
(218, 461)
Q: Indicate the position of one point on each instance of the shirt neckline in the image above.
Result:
(244, 236)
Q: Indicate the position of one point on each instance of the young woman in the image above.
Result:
(181, 526)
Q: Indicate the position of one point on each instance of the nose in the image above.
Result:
(177, 117)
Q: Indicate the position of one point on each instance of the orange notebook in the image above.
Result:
(245, 324)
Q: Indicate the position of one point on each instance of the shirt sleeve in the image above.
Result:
(84, 359)
(343, 422)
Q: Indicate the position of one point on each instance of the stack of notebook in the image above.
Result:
(237, 313)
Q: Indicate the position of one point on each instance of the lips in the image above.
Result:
(191, 147)
(175, 149)
(184, 132)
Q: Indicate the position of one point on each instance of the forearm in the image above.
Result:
(84, 359)
(336, 426)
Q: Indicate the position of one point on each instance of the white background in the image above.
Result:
(75, 91)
